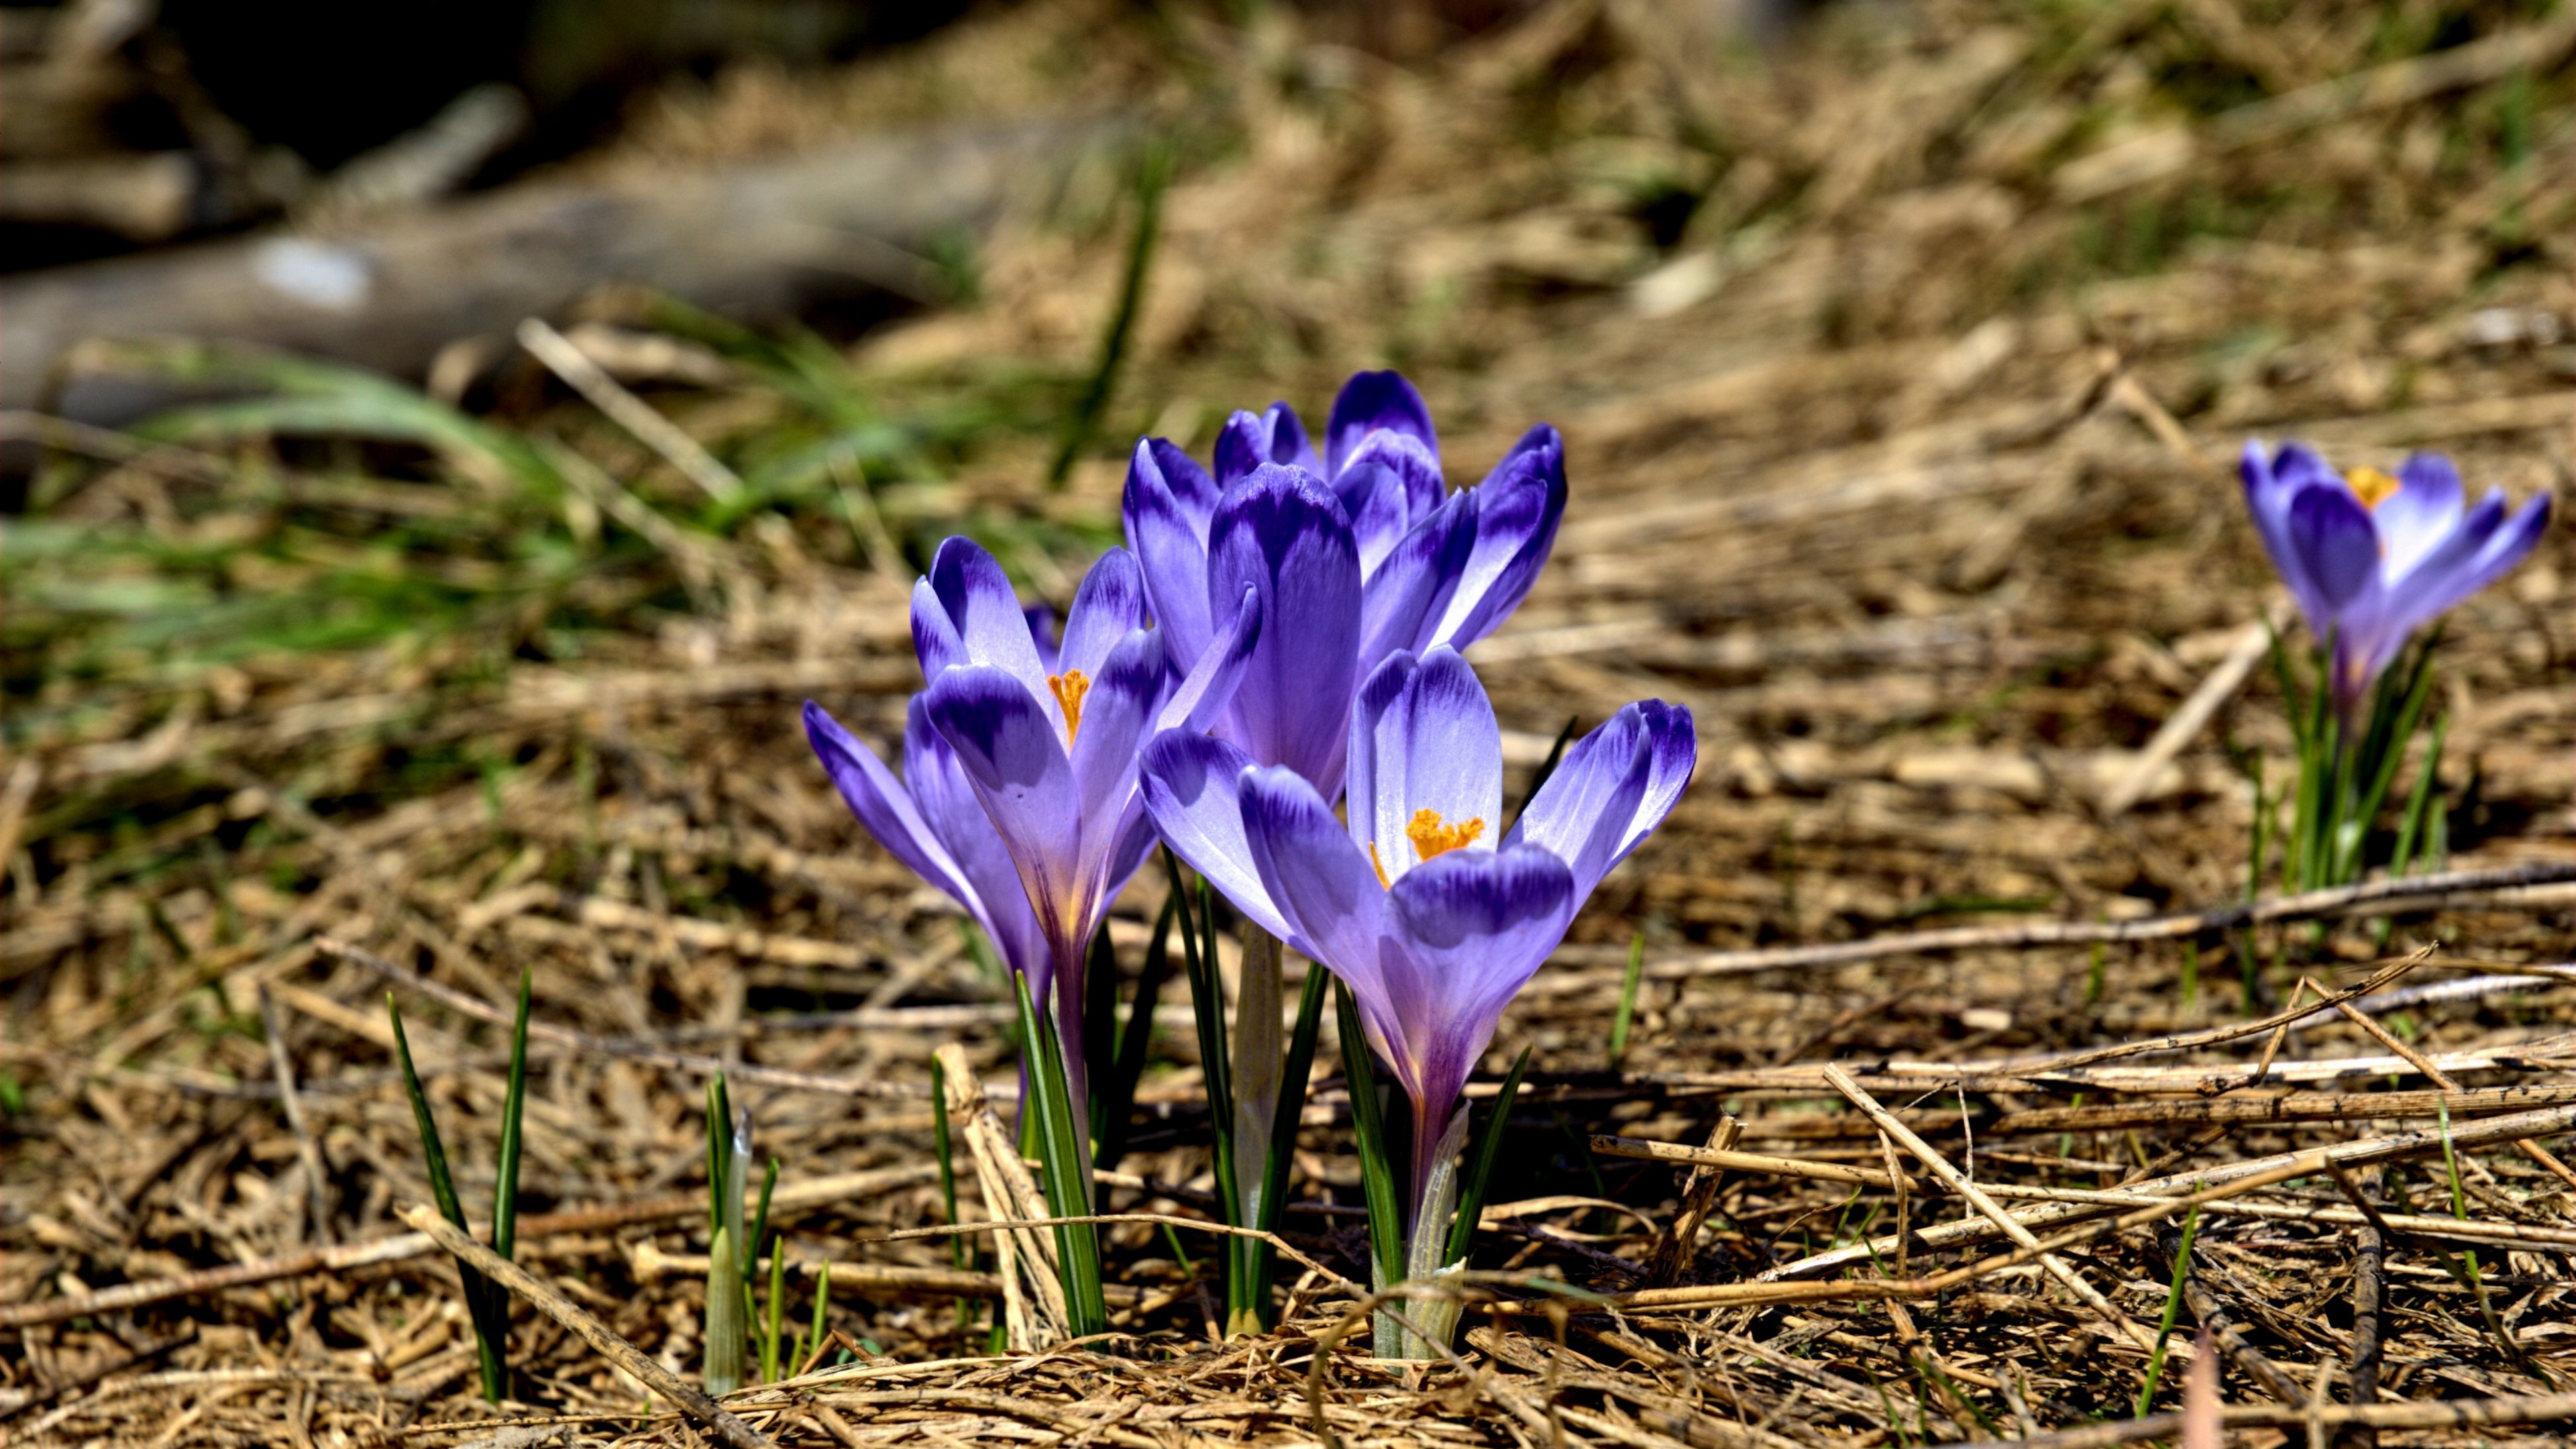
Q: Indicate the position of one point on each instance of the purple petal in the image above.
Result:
(1374, 401)
(1414, 466)
(1192, 786)
(1282, 533)
(1320, 882)
(1044, 634)
(1116, 709)
(1199, 700)
(1463, 935)
(1404, 601)
(2336, 542)
(1541, 438)
(2270, 509)
(1108, 607)
(956, 815)
(1013, 755)
(883, 805)
(1249, 440)
(1611, 790)
(917, 826)
(1161, 464)
(2423, 510)
(980, 602)
(934, 639)
(1373, 494)
(1135, 842)
(1518, 509)
(1423, 737)
(1167, 508)
(2474, 557)
(2296, 466)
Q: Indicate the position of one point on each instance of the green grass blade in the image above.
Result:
(1067, 1183)
(2173, 1309)
(1297, 1069)
(727, 1332)
(1377, 1167)
(2390, 750)
(813, 1344)
(1136, 1035)
(2410, 826)
(719, 1156)
(505, 1188)
(1150, 179)
(486, 1307)
(768, 1185)
(776, 1322)
(1627, 1013)
(1099, 1043)
(1488, 1151)
(958, 1252)
(1207, 1005)
(1368, 1127)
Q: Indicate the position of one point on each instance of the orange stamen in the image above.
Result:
(1379, 866)
(1069, 688)
(1430, 837)
(2371, 486)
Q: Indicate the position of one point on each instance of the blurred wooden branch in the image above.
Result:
(389, 293)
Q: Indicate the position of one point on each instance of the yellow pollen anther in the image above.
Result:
(1430, 837)
(1069, 688)
(1379, 866)
(2371, 486)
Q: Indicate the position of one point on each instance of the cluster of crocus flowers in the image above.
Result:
(2372, 557)
(1283, 621)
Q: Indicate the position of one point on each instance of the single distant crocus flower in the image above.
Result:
(1019, 797)
(1351, 555)
(2372, 558)
(1431, 914)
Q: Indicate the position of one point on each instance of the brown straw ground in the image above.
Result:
(1900, 366)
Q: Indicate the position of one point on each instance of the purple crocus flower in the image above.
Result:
(1019, 797)
(2372, 558)
(1351, 555)
(1432, 921)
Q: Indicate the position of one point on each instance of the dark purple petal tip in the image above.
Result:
(1371, 401)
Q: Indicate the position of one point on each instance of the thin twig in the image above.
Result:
(124, 1297)
(2443, 1080)
(628, 411)
(2414, 1414)
(469, 1005)
(317, 1178)
(1678, 1245)
(2056, 1267)
(2369, 898)
(2185, 724)
(1169, 1220)
(575, 1318)
(2369, 1289)
(2214, 1322)
(2546, 1122)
